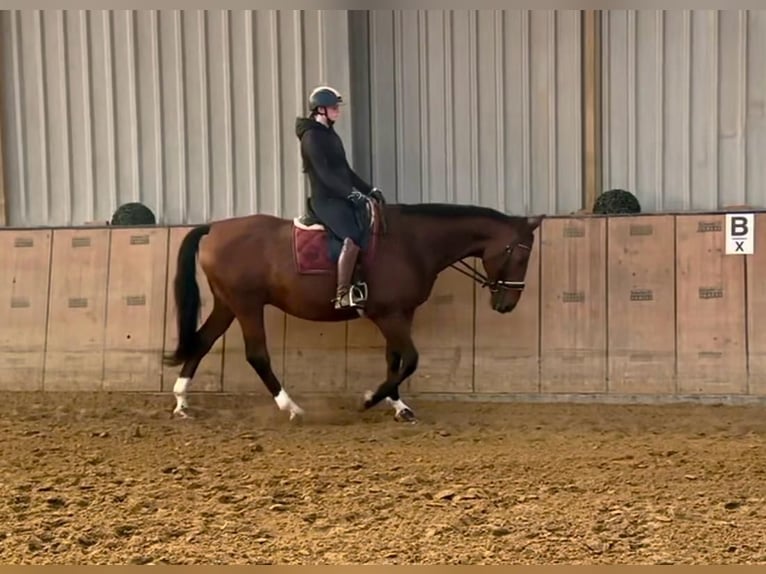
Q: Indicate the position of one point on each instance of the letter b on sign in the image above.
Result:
(740, 233)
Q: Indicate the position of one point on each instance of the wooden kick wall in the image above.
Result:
(639, 305)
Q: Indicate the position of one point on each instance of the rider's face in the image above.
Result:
(333, 113)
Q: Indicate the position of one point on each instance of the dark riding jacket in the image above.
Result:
(324, 160)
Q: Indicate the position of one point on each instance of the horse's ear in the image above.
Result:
(535, 221)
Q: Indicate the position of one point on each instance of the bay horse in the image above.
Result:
(258, 260)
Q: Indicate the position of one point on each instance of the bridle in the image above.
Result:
(497, 284)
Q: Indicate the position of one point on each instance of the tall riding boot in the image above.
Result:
(346, 265)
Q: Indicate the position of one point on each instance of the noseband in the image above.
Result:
(497, 284)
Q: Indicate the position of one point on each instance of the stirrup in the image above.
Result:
(356, 297)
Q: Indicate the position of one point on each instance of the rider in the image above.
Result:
(333, 197)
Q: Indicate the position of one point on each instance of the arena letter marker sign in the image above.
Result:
(740, 233)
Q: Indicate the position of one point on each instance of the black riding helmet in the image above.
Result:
(324, 96)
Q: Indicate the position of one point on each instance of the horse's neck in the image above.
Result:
(448, 243)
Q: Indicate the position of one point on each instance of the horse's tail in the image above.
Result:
(187, 297)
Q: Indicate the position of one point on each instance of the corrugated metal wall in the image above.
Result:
(191, 112)
(478, 106)
(685, 107)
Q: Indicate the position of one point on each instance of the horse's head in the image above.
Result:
(505, 261)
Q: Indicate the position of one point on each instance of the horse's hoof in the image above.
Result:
(181, 414)
(406, 416)
(367, 404)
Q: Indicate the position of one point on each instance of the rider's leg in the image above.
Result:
(346, 265)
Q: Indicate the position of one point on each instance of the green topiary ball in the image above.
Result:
(133, 213)
(616, 201)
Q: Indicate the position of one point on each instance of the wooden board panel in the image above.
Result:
(75, 352)
(756, 309)
(238, 375)
(711, 309)
(25, 265)
(135, 317)
(315, 356)
(366, 359)
(507, 347)
(573, 305)
(443, 333)
(208, 375)
(641, 317)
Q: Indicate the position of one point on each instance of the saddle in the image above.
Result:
(316, 250)
(308, 220)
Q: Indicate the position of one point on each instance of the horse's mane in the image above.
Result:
(451, 210)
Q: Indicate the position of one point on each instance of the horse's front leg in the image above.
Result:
(401, 362)
(402, 412)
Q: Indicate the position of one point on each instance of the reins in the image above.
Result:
(484, 281)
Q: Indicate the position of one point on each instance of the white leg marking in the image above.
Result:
(179, 390)
(284, 402)
(399, 405)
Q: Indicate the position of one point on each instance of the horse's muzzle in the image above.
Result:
(504, 307)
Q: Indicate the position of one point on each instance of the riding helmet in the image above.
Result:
(324, 96)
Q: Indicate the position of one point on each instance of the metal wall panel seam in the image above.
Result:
(159, 159)
(204, 119)
(65, 112)
(183, 163)
(579, 141)
(526, 107)
(606, 95)
(425, 165)
(742, 111)
(277, 107)
(19, 97)
(322, 50)
(714, 107)
(252, 170)
(659, 183)
(449, 110)
(399, 102)
(687, 74)
(110, 108)
(473, 103)
(632, 26)
(228, 111)
(300, 97)
(42, 96)
(552, 113)
(135, 154)
(502, 200)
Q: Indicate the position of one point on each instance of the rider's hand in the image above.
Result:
(377, 195)
(357, 197)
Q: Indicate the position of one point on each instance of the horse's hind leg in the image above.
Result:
(257, 354)
(216, 324)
